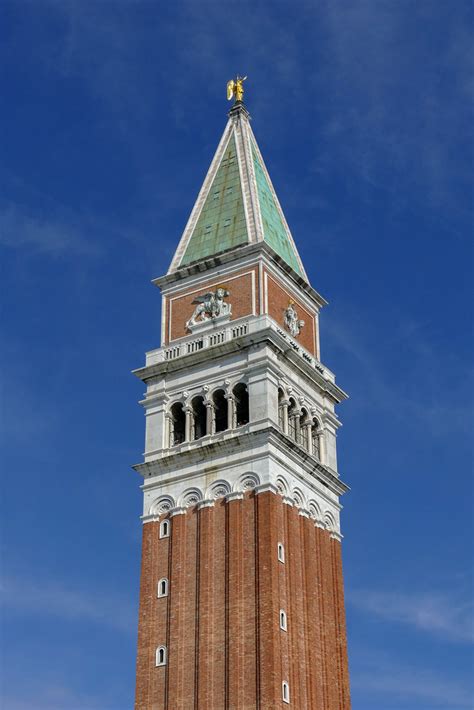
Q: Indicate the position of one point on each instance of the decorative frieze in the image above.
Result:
(186, 497)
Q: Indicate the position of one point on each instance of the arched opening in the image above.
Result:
(161, 656)
(220, 410)
(281, 418)
(305, 424)
(163, 587)
(165, 527)
(241, 395)
(315, 434)
(285, 691)
(293, 420)
(178, 424)
(199, 417)
(283, 625)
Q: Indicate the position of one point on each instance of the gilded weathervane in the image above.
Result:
(235, 87)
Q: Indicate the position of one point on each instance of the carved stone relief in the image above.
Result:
(292, 322)
(210, 305)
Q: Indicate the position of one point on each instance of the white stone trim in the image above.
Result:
(179, 510)
(277, 274)
(163, 319)
(259, 234)
(234, 495)
(257, 326)
(206, 503)
(217, 272)
(247, 482)
(317, 335)
(265, 488)
(324, 513)
(261, 294)
(246, 182)
(164, 504)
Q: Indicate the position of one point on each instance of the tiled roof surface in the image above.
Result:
(221, 224)
(274, 230)
(237, 204)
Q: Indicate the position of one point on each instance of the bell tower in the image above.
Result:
(241, 596)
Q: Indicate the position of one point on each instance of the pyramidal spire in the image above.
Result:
(237, 203)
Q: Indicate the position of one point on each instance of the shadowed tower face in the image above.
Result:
(241, 598)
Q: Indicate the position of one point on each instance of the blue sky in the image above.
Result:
(110, 115)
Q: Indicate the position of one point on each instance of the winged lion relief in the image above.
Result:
(209, 306)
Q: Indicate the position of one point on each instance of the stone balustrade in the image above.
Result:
(212, 337)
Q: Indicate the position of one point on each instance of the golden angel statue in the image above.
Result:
(236, 88)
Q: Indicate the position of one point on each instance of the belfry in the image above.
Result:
(241, 596)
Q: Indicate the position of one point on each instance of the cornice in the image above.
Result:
(267, 334)
(233, 255)
(242, 442)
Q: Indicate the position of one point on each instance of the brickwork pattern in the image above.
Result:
(180, 309)
(221, 619)
(278, 298)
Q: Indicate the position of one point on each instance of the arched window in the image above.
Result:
(283, 625)
(241, 395)
(305, 424)
(293, 420)
(161, 656)
(285, 691)
(281, 552)
(165, 527)
(163, 588)
(178, 424)
(281, 418)
(199, 417)
(220, 410)
(315, 433)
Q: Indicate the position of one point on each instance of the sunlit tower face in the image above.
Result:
(241, 599)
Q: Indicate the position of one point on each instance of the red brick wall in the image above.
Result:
(179, 308)
(278, 298)
(220, 621)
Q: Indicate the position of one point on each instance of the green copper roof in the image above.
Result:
(230, 214)
(274, 231)
(221, 224)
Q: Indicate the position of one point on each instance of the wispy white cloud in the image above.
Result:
(47, 235)
(414, 685)
(443, 615)
(55, 598)
(397, 111)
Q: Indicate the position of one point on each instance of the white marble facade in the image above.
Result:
(256, 454)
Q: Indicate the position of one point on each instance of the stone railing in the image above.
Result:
(210, 338)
